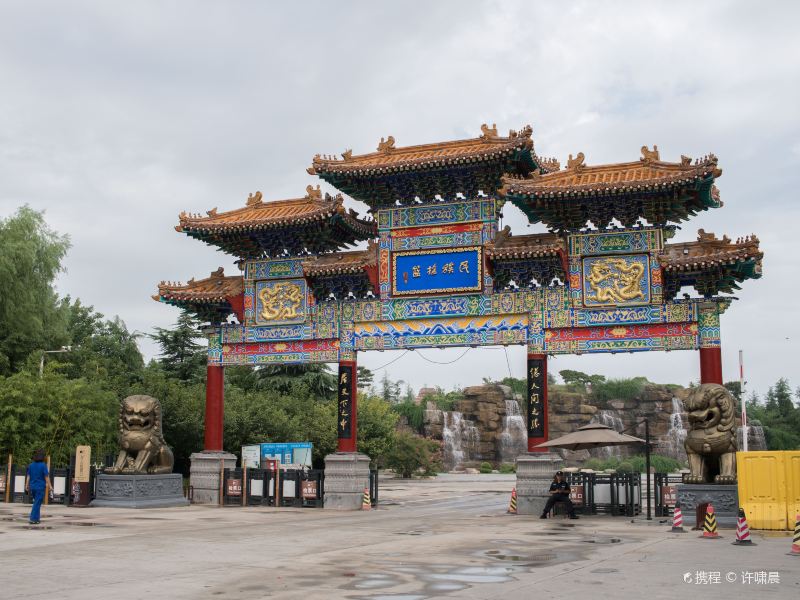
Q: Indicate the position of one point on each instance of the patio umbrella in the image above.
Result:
(593, 435)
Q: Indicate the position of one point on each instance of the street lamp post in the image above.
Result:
(41, 360)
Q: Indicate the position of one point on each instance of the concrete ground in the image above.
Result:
(447, 537)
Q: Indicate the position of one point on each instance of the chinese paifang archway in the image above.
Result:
(438, 272)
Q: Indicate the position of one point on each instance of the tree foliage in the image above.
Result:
(578, 378)
(31, 316)
(779, 415)
(182, 356)
(410, 454)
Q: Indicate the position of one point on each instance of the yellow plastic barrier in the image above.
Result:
(769, 488)
(792, 460)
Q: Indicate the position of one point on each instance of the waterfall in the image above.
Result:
(676, 434)
(513, 440)
(611, 419)
(755, 437)
(460, 438)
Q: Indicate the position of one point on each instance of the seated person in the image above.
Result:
(559, 492)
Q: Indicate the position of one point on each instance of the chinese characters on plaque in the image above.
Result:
(345, 396)
(536, 401)
(437, 271)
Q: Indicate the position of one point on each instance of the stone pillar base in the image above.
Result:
(204, 475)
(535, 472)
(724, 499)
(346, 476)
(139, 491)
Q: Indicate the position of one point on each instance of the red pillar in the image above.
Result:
(347, 413)
(711, 365)
(215, 407)
(537, 402)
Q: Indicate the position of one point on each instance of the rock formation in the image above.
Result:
(487, 425)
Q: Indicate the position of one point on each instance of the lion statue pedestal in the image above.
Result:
(142, 476)
(711, 450)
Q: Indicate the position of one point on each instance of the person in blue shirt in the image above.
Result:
(37, 483)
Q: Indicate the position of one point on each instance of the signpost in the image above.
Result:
(576, 494)
(309, 489)
(83, 473)
(251, 456)
(234, 487)
(669, 495)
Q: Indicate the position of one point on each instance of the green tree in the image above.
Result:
(376, 423)
(365, 378)
(409, 454)
(101, 350)
(318, 379)
(31, 316)
(577, 378)
(735, 388)
(181, 355)
(57, 414)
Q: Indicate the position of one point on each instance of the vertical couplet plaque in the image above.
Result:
(537, 400)
(346, 390)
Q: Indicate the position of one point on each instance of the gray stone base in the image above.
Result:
(724, 499)
(346, 476)
(139, 491)
(535, 472)
(204, 475)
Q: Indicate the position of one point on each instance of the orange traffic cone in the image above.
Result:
(365, 503)
(710, 524)
(742, 531)
(512, 507)
(677, 519)
(796, 539)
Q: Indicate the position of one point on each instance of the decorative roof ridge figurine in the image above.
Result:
(254, 199)
(576, 163)
(387, 145)
(141, 442)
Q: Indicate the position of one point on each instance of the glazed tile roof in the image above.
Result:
(312, 224)
(708, 251)
(402, 173)
(211, 290)
(710, 265)
(508, 246)
(657, 191)
(338, 263)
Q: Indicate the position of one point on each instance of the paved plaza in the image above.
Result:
(449, 537)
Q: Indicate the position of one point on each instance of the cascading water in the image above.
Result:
(676, 434)
(609, 418)
(513, 440)
(460, 439)
(756, 439)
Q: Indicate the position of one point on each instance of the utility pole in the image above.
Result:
(744, 404)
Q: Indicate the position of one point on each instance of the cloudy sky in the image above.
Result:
(114, 117)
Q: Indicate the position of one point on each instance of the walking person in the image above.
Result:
(559, 492)
(37, 483)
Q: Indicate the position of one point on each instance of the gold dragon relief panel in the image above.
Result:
(281, 302)
(616, 280)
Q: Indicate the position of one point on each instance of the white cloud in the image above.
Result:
(115, 117)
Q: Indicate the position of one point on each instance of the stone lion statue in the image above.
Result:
(142, 446)
(711, 441)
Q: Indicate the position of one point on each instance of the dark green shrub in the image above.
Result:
(409, 454)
